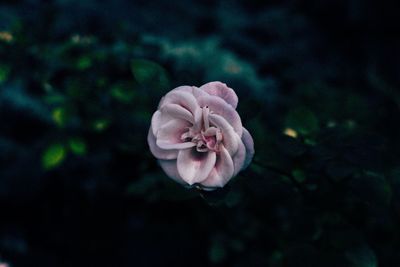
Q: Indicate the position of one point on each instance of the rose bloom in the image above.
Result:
(198, 137)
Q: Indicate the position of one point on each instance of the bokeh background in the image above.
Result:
(318, 87)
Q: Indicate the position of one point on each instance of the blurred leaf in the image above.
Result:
(302, 120)
(100, 125)
(122, 93)
(77, 88)
(217, 252)
(84, 62)
(372, 188)
(299, 175)
(237, 245)
(144, 185)
(77, 146)
(53, 99)
(53, 156)
(291, 146)
(276, 259)
(215, 197)
(362, 257)
(338, 170)
(4, 72)
(149, 73)
(59, 116)
(233, 198)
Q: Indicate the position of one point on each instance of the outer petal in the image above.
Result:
(239, 158)
(220, 107)
(222, 172)
(182, 98)
(183, 88)
(195, 166)
(223, 91)
(177, 111)
(249, 145)
(169, 136)
(157, 151)
(195, 91)
(169, 167)
(230, 138)
(158, 120)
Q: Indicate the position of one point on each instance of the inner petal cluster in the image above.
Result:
(205, 136)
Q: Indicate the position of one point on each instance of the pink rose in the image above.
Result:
(198, 136)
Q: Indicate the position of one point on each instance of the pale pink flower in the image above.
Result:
(198, 137)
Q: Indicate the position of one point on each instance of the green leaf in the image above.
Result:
(4, 72)
(54, 99)
(122, 93)
(149, 73)
(59, 116)
(84, 63)
(302, 120)
(276, 258)
(299, 175)
(217, 252)
(362, 256)
(100, 125)
(372, 188)
(53, 156)
(77, 146)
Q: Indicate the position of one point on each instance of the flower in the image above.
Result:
(198, 137)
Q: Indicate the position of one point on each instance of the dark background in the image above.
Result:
(318, 89)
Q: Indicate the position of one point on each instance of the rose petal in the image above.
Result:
(169, 167)
(159, 152)
(220, 107)
(223, 91)
(169, 136)
(239, 157)
(177, 111)
(222, 172)
(195, 91)
(195, 166)
(183, 88)
(182, 98)
(158, 120)
(230, 138)
(249, 145)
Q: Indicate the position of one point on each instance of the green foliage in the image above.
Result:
(319, 193)
(53, 156)
(100, 125)
(124, 93)
(60, 116)
(302, 120)
(217, 252)
(362, 256)
(149, 73)
(84, 63)
(77, 146)
(299, 175)
(4, 72)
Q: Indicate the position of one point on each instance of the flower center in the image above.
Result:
(207, 138)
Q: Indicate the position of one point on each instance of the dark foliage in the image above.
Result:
(318, 87)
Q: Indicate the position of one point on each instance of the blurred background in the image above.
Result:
(318, 89)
